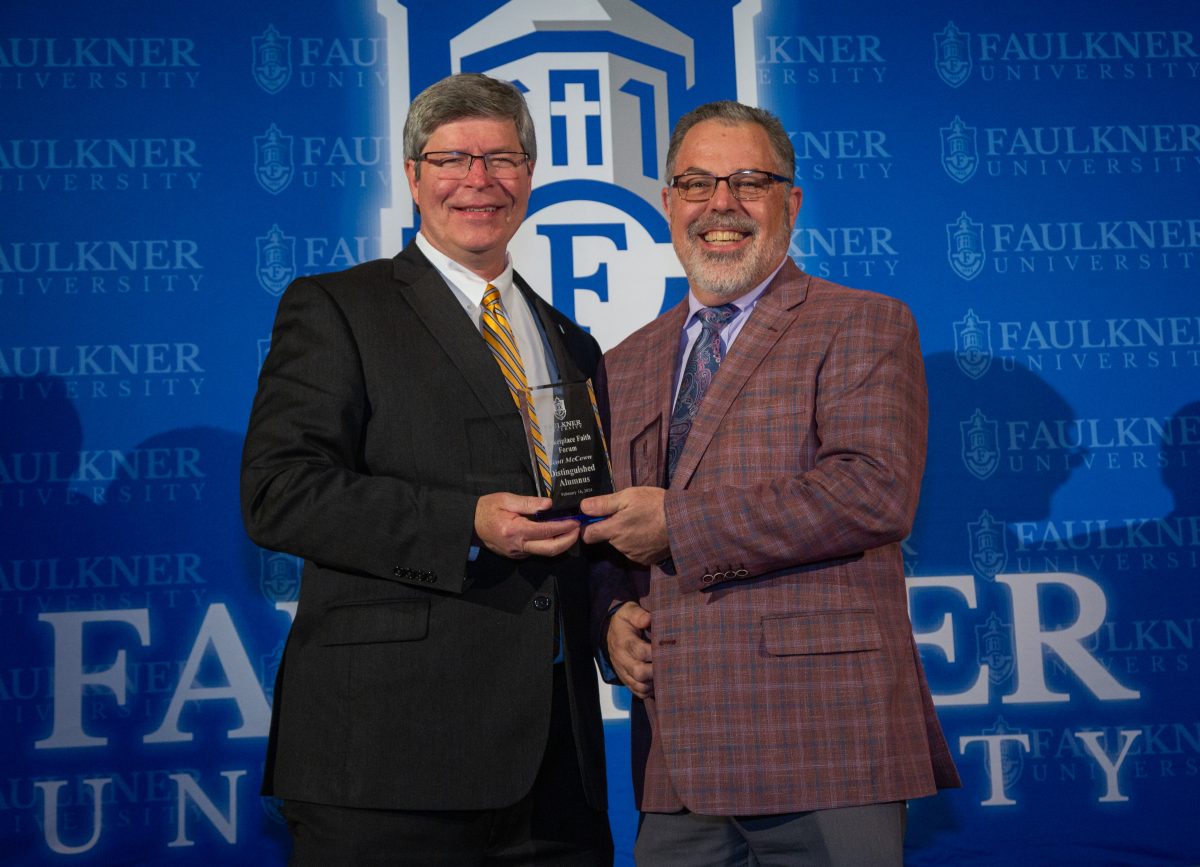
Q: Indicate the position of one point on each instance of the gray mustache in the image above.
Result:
(728, 221)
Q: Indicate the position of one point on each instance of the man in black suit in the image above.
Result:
(437, 701)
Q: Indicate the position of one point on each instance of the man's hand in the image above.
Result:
(501, 523)
(636, 523)
(629, 649)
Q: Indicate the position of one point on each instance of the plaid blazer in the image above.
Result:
(786, 677)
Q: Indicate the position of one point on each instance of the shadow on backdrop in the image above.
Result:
(145, 544)
(970, 496)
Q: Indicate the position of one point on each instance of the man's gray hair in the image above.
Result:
(463, 96)
(732, 113)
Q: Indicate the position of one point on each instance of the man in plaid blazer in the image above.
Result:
(768, 458)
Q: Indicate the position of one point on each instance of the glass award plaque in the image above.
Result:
(568, 420)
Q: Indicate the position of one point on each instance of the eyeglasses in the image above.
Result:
(456, 165)
(746, 185)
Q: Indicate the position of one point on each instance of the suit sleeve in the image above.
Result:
(611, 582)
(304, 487)
(870, 422)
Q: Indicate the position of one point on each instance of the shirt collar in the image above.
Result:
(468, 285)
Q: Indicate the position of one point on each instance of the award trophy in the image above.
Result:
(569, 421)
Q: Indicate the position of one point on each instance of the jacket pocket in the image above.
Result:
(375, 622)
(842, 631)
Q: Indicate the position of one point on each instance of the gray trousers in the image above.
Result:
(868, 836)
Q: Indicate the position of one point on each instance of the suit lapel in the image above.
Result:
(658, 387)
(646, 394)
(774, 313)
(439, 311)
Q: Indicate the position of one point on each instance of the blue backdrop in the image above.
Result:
(1024, 175)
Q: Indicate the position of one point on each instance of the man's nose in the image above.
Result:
(477, 174)
(723, 198)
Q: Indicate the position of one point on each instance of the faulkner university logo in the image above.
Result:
(980, 445)
(274, 165)
(279, 576)
(276, 260)
(1012, 757)
(964, 247)
(952, 55)
(960, 150)
(994, 643)
(989, 545)
(603, 82)
(272, 64)
(973, 345)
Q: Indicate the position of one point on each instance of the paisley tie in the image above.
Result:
(698, 374)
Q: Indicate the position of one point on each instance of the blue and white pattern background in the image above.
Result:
(1025, 175)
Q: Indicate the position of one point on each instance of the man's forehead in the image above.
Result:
(714, 139)
(476, 123)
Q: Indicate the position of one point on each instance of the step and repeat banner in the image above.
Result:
(1025, 175)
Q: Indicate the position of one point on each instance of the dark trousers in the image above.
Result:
(552, 825)
(869, 836)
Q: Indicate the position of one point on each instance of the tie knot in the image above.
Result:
(491, 298)
(716, 317)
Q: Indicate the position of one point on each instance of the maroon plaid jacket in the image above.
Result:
(786, 677)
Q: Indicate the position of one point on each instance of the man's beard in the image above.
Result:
(729, 275)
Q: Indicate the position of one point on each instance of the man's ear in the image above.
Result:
(795, 198)
(410, 172)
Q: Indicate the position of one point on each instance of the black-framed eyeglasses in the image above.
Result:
(456, 165)
(746, 185)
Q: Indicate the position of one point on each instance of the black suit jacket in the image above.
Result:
(411, 678)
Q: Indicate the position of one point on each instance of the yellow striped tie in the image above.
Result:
(498, 335)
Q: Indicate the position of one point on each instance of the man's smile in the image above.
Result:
(722, 236)
(724, 233)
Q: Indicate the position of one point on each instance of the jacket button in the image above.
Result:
(541, 603)
(740, 573)
(707, 579)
